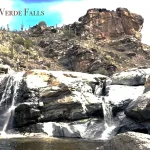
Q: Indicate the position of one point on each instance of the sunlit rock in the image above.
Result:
(129, 141)
(121, 95)
(140, 109)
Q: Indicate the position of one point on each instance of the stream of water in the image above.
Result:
(108, 119)
(49, 144)
(14, 81)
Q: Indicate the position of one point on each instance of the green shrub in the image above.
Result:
(28, 43)
(19, 40)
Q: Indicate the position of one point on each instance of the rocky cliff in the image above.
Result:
(105, 24)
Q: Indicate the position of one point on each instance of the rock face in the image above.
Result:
(75, 104)
(50, 96)
(105, 24)
(129, 141)
(108, 39)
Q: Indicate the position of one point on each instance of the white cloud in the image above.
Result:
(72, 10)
(8, 5)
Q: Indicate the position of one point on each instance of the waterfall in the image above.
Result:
(109, 125)
(14, 81)
(7, 91)
(107, 112)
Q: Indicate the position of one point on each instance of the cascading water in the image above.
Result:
(7, 91)
(82, 97)
(109, 125)
(14, 81)
(107, 111)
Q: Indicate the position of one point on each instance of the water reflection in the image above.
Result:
(48, 144)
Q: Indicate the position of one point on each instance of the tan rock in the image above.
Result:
(105, 24)
(129, 141)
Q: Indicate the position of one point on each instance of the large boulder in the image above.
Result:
(129, 141)
(121, 95)
(59, 96)
(131, 77)
(128, 124)
(139, 109)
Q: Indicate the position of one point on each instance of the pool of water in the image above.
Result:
(49, 144)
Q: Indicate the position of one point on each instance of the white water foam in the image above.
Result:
(108, 119)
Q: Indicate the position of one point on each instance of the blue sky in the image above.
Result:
(50, 17)
(68, 11)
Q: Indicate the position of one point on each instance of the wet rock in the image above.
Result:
(25, 114)
(88, 128)
(91, 128)
(129, 141)
(61, 130)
